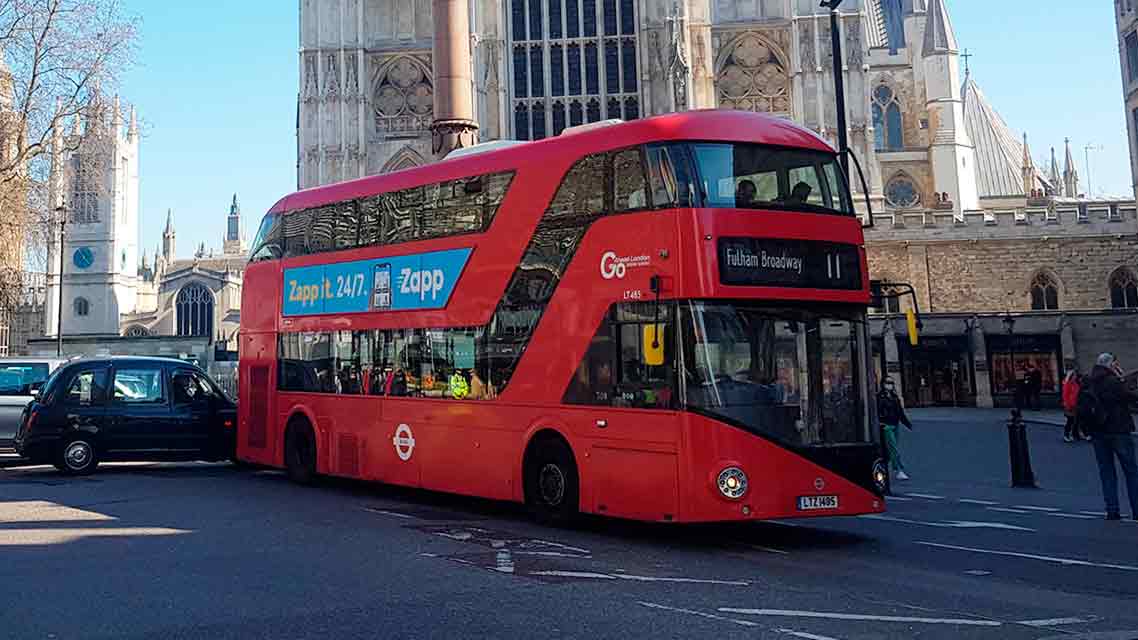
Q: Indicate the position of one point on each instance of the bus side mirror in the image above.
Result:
(652, 339)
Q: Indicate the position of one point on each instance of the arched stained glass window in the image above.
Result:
(1123, 289)
(1044, 292)
(902, 193)
(578, 53)
(888, 128)
(194, 311)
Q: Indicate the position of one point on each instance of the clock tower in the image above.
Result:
(94, 184)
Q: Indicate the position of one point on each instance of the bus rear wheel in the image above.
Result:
(552, 485)
(300, 452)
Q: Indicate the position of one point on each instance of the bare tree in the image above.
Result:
(56, 59)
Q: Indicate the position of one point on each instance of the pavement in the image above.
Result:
(210, 551)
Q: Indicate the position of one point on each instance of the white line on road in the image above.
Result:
(983, 503)
(859, 616)
(1071, 515)
(759, 547)
(926, 496)
(897, 499)
(692, 612)
(1052, 622)
(561, 546)
(624, 576)
(954, 524)
(552, 554)
(1007, 510)
(803, 634)
(1031, 508)
(1032, 556)
(393, 514)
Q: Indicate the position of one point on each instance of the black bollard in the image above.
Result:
(1020, 456)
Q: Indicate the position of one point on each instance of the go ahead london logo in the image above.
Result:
(400, 283)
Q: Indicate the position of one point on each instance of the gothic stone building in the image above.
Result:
(989, 240)
(108, 290)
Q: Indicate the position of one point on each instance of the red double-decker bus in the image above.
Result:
(661, 320)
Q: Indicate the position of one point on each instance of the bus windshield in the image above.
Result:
(789, 374)
(754, 176)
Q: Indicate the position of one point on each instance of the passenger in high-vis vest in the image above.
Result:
(459, 387)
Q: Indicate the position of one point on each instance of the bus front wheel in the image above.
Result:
(552, 485)
(300, 451)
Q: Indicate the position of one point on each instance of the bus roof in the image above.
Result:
(708, 124)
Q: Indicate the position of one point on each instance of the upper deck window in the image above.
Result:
(454, 207)
(752, 176)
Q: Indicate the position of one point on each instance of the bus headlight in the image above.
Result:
(880, 476)
(732, 483)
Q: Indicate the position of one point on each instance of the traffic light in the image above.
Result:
(911, 321)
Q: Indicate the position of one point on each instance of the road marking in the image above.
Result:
(1032, 556)
(692, 612)
(897, 499)
(858, 616)
(553, 555)
(1031, 508)
(1052, 622)
(759, 547)
(926, 496)
(561, 546)
(393, 514)
(978, 572)
(803, 634)
(1008, 510)
(983, 503)
(1094, 513)
(624, 576)
(1072, 515)
(954, 524)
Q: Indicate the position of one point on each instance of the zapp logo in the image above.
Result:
(424, 283)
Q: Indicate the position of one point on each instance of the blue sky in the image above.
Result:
(215, 86)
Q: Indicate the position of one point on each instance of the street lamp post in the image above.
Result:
(839, 82)
(61, 212)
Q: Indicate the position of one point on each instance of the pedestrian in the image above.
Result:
(1071, 385)
(1104, 410)
(891, 414)
(1035, 386)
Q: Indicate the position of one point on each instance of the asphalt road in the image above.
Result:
(209, 551)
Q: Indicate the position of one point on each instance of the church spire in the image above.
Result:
(1053, 173)
(168, 238)
(1028, 169)
(1070, 174)
(939, 36)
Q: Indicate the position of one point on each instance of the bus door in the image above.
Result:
(628, 379)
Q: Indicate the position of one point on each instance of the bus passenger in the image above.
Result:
(745, 193)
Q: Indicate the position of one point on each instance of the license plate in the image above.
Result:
(815, 503)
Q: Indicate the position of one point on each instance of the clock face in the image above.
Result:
(84, 257)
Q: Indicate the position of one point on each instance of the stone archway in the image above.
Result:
(752, 76)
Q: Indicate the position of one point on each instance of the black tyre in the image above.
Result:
(300, 452)
(77, 456)
(552, 485)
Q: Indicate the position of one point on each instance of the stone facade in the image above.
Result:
(367, 87)
(982, 283)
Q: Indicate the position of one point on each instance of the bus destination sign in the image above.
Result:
(398, 283)
(802, 264)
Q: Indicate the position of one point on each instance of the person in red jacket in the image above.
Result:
(1071, 386)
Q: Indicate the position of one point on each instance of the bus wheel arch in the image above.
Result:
(300, 448)
(551, 479)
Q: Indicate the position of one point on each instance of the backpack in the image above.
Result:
(1089, 410)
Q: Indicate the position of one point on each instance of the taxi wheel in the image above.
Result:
(300, 451)
(77, 456)
(552, 486)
